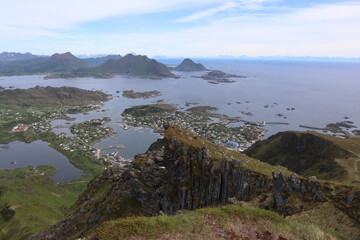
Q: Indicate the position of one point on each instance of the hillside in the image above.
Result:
(94, 62)
(135, 65)
(183, 171)
(14, 56)
(188, 65)
(67, 65)
(62, 62)
(309, 153)
(31, 200)
(51, 97)
(56, 63)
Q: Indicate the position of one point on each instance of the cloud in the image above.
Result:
(232, 5)
(317, 30)
(207, 13)
(58, 14)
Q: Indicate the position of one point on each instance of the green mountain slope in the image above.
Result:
(30, 200)
(94, 62)
(188, 65)
(135, 65)
(55, 63)
(310, 153)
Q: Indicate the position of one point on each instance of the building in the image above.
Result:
(20, 128)
(232, 144)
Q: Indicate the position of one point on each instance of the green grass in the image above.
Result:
(327, 157)
(327, 216)
(36, 199)
(206, 223)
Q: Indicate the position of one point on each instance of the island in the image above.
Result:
(199, 119)
(133, 94)
(70, 75)
(132, 65)
(216, 77)
(189, 65)
(344, 129)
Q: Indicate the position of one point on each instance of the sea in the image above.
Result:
(291, 92)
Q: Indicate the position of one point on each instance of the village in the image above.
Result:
(214, 127)
(37, 124)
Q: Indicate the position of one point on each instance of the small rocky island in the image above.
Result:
(189, 65)
(216, 77)
(133, 94)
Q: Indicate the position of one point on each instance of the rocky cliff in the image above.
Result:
(184, 172)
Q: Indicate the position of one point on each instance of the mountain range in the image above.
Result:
(97, 61)
(72, 66)
(14, 56)
(42, 65)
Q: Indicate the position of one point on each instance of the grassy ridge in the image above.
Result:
(310, 153)
(229, 222)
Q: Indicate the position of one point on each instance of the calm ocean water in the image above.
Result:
(320, 92)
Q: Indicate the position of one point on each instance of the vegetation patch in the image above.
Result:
(309, 154)
(230, 222)
(31, 201)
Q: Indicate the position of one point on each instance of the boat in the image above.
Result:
(125, 127)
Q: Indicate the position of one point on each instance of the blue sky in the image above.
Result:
(178, 28)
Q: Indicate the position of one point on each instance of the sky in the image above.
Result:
(179, 28)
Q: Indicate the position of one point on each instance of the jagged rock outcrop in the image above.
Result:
(283, 184)
(180, 171)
